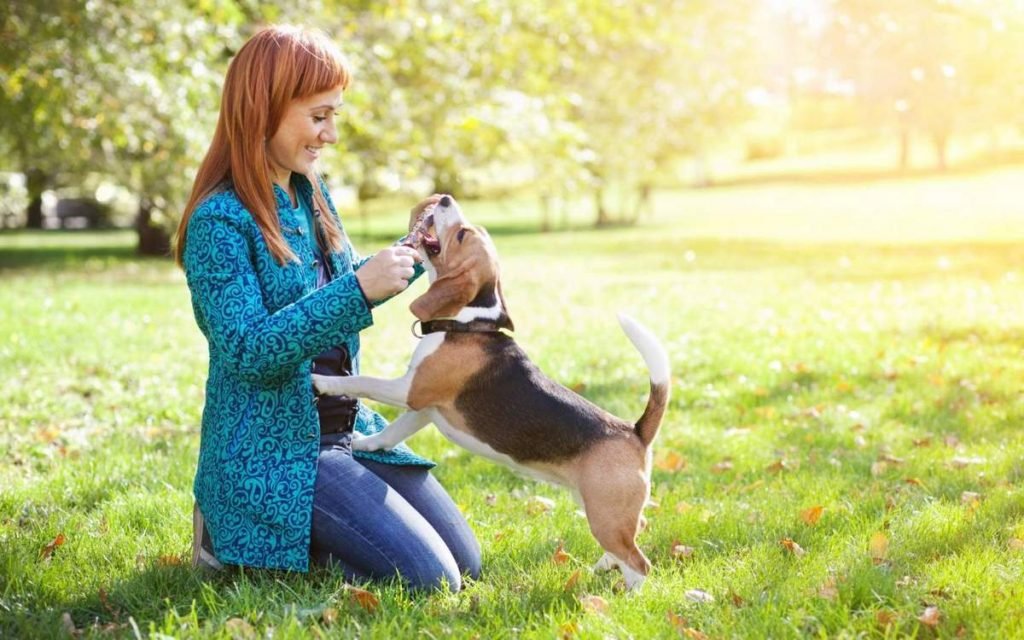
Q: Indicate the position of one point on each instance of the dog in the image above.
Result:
(470, 378)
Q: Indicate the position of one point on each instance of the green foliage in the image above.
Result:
(870, 366)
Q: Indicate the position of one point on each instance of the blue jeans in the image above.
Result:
(375, 520)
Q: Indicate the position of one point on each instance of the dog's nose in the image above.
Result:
(445, 201)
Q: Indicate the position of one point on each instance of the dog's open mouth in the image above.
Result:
(424, 235)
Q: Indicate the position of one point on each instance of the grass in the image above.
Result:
(853, 347)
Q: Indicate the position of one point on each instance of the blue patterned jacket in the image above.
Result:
(264, 323)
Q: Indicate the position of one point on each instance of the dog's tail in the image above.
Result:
(657, 363)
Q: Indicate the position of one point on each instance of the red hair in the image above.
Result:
(277, 65)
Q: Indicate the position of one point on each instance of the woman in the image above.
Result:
(278, 292)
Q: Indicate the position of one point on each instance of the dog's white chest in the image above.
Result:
(474, 445)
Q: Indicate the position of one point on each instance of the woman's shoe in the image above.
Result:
(202, 548)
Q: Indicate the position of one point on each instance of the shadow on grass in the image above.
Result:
(66, 250)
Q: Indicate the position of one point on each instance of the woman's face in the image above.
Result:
(307, 125)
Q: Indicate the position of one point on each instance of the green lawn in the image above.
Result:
(853, 347)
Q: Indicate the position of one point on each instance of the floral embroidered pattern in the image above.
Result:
(264, 322)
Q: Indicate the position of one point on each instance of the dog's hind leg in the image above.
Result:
(404, 426)
(613, 500)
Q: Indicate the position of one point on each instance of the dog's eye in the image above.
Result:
(460, 235)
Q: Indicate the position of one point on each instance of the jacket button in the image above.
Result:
(311, 435)
(315, 264)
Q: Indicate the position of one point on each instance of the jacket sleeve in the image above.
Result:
(228, 302)
(357, 260)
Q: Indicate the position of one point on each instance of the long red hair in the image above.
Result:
(277, 65)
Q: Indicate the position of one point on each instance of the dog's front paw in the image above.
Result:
(367, 443)
(328, 385)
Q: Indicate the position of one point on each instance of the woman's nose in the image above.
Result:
(330, 134)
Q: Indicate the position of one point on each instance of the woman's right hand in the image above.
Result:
(387, 272)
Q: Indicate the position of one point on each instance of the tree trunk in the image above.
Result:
(904, 148)
(545, 212)
(941, 148)
(36, 182)
(154, 240)
(603, 219)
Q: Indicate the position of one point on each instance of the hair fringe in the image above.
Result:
(277, 65)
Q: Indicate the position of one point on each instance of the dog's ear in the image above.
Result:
(446, 295)
(506, 321)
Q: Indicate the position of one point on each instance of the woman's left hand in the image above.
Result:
(418, 210)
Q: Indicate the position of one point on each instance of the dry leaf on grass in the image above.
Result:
(878, 547)
(680, 551)
(1016, 544)
(671, 462)
(594, 604)
(239, 629)
(365, 599)
(828, 591)
(792, 546)
(571, 582)
(885, 617)
(699, 596)
(560, 556)
(48, 550)
(539, 504)
(812, 514)
(722, 467)
(329, 616)
(930, 617)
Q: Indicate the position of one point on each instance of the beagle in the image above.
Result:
(471, 379)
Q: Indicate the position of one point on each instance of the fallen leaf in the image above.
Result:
(239, 629)
(571, 582)
(885, 617)
(491, 499)
(951, 441)
(878, 547)
(594, 604)
(922, 442)
(697, 595)
(722, 467)
(363, 598)
(737, 600)
(970, 498)
(796, 549)
(683, 506)
(498, 535)
(891, 459)
(777, 466)
(690, 632)
(878, 468)
(812, 515)
(828, 590)
(52, 546)
(1016, 544)
(169, 561)
(329, 616)
(69, 625)
(539, 504)
(679, 622)
(960, 462)
(671, 462)
(560, 556)
(568, 630)
(680, 551)
(913, 481)
(930, 617)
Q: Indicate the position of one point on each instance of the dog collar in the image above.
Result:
(454, 326)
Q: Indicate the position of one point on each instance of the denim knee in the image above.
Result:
(434, 577)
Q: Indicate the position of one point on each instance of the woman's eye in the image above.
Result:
(318, 119)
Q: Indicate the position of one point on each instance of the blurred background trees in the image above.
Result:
(104, 100)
